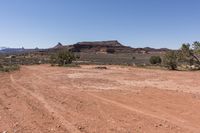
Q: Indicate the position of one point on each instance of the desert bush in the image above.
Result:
(1, 66)
(170, 60)
(62, 58)
(77, 56)
(9, 68)
(101, 67)
(53, 59)
(71, 65)
(155, 60)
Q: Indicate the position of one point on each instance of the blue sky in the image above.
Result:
(137, 23)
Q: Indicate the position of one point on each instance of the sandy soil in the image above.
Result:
(44, 99)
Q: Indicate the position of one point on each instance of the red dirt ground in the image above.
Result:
(44, 99)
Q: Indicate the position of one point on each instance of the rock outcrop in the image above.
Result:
(59, 45)
(101, 46)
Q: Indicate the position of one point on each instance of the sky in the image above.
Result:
(136, 23)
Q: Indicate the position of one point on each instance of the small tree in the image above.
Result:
(155, 60)
(196, 47)
(196, 53)
(187, 54)
(170, 60)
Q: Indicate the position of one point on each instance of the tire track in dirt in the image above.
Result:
(64, 122)
(171, 119)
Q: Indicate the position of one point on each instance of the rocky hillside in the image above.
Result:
(101, 46)
(111, 47)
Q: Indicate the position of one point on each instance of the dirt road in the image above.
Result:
(44, 99)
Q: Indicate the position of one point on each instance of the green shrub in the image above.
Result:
(78, 56)
(1, 66)
(71, 65)
(155, 60)
(9, 68)
(170, 60)
(62, 58)
(53, 59)
(14, 67)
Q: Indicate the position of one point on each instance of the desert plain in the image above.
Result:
(119, 99)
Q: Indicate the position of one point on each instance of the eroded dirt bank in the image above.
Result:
(42, 99)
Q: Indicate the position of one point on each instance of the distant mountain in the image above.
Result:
(11, 50)
(112, 46)
(101, 46)
(1, 48)
(4, 50)
(155, 49)
(113, 43)
(58, 46)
